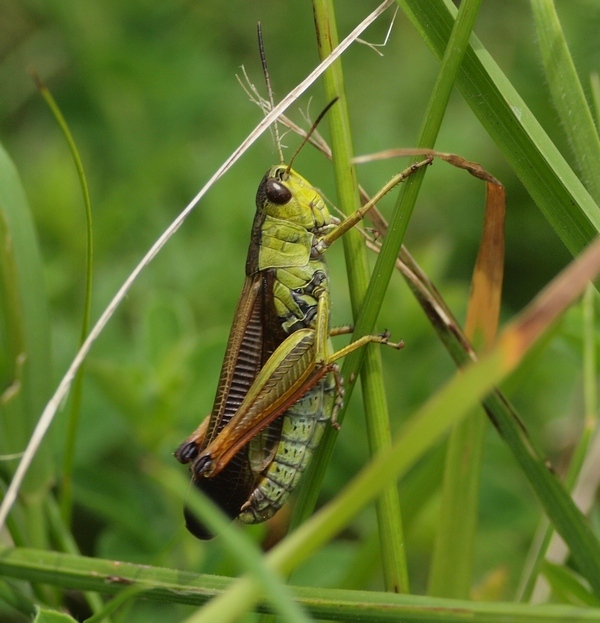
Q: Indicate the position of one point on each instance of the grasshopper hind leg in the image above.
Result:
(339, 396)
(303, 426)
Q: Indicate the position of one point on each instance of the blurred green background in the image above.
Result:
(150, 94)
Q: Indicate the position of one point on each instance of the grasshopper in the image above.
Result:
(279, 384)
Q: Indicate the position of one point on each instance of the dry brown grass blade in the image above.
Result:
(487, 279)
(486, 286)
(519, 335)
(473, 168)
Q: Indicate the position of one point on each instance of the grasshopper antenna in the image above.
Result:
(313, 127)
(263, 60)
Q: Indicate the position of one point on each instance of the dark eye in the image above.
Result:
(276, 192)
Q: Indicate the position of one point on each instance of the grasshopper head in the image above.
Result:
(286, 195)
(290, 217)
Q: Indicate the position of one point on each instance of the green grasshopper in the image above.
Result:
(279, 384)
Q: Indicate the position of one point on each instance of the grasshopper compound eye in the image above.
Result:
(276, 192)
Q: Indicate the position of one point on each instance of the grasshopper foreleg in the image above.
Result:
(350, 221)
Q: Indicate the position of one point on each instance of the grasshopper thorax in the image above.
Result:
(286, 195)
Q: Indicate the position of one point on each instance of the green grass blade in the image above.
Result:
(14, 597)
(45, 615)
(241, 547)
(120, 599)
(66, 500)
(546, 175)
(427, 426)
(558, 505)
(176, 586)
(595, 86)
(567, 94)
(25, 377)
(452, 562)
(432, 121)
(590, 423)
(568, 586)
(65, 542)
(385, 263)
(24, 321)
(453, 555)
(389, 516)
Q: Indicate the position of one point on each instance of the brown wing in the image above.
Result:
(248, 347)
(282, 381)
(243, 356)
(241, 364)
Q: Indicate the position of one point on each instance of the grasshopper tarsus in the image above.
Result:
(417, 165)
(373, 233)
(395, 345)
(384, 338)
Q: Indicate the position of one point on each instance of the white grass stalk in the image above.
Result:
(63, 387)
